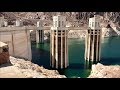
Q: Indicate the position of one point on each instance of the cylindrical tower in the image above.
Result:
(18, 23)
(40, 32)
(93, 40)
(5, 23)
(59, 43)
(1, 21)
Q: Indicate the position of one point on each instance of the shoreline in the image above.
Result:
(20, 68)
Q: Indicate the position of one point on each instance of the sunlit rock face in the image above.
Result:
(21, 68)
(102, 71)
(108, 32)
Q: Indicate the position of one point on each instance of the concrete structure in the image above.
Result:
(5, 23)
(18, 40)
(1, 21)
(40, 33)
(18, 23)
(4, 53)
(59, 43)
(93, 40)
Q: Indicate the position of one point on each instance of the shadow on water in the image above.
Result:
(75, 70)
(40, 55)
(110, 53)
(76, 66)
(110, 61)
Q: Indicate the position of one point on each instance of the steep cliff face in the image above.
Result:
(82, 17)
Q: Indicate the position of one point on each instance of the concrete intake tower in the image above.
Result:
(93, 40)
(59, 43)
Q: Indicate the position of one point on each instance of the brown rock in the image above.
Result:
(103, 71)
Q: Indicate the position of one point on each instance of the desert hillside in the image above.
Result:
(72, 17)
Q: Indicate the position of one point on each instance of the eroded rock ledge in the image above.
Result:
(102, 71)
(20, 68)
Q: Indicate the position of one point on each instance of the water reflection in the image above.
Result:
(88, 64)
(40, 55)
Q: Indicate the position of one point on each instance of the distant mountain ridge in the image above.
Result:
(81, 17)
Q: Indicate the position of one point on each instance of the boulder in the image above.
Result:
(4, 53)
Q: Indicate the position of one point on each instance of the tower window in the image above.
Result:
(55, 23)
(88, 31)
(59, 24)
(62, 23)
(98, 25)
(95, 24)
(59, 31)
(92, 24)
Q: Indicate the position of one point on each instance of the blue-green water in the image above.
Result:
(110, 55)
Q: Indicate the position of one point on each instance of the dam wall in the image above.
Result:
(18, 40)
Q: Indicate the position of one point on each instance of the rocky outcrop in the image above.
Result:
(108, 32)
(102, 71)
(26, 69)
(77, 34)
(4, 53)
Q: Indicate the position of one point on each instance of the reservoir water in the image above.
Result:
(110, 55)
